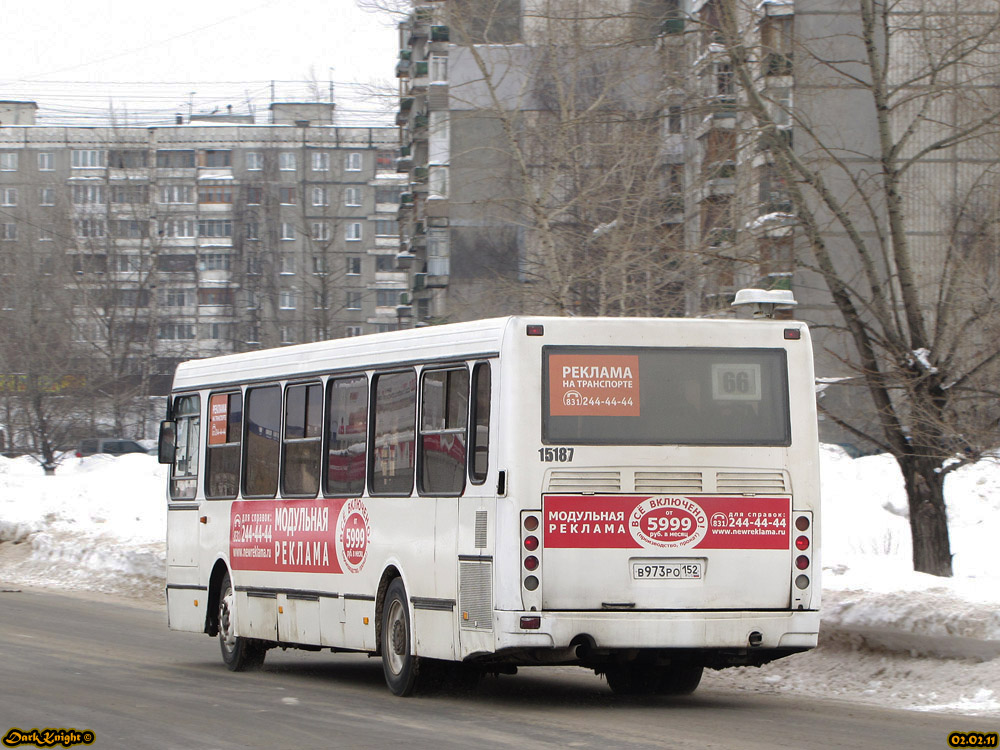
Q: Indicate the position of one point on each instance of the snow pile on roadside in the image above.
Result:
(99, 524)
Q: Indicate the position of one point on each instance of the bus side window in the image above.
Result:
(225, 436)
(444, 413)
(261, 447)
(394, 427)
(347, 435)
(184, 473)
(479, 438)
(301, 444)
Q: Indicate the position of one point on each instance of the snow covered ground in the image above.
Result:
(890, 636)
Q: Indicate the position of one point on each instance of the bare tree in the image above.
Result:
(893, 177)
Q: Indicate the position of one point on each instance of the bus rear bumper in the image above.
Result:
(614, 631)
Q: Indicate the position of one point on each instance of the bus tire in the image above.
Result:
(633, 679)
(682, 679)
(238, 653)
(401, 667)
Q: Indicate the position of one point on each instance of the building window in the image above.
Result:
(352, 196)
(8, 231)
(91, 158)
(286, 196)
(254, 265)
(215, 297)
(45, 234)
(286, 300)
(385, 161)
(353, 266)
(176, 194)
(8, 161)
(175, 159)
(215, 158)
(438, 252)
(352, 331)
(46, 162)
(215, 227)
(254, 196)
(287, 231)
(386, 228)
(255, 161)
(320, 196)
(47, 196)
(385, 263)
(8, 197)
(674, 119)
(176, 297)
(87, 194)
(320, 265)
(217, 331)
(387, 297)
(438, 183)
(320, 231)
(352, 162)
(320, 161)
(129, 228)
(439, 67)
(175, 331)
(354, 231)
(354, 300)
(288, 337)
(127, 159)
(183, 228)
(215, 262)
(319, 300)
(215, 193)
(133, 195)
(286, 161)
(252, 230)
(287, 267)
(87, 228)
(387, 195)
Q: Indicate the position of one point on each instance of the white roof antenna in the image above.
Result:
(765, 301)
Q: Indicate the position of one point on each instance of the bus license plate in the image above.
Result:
(667, 570)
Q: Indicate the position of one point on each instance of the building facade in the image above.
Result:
(208, 237)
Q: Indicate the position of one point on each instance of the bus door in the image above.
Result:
(183, 527)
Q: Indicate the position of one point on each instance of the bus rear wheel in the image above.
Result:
(646, 679)
(238, 653)
(401, 667)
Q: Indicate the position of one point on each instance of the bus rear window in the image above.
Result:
(647, 396)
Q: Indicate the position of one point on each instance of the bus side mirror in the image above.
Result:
(167, 446)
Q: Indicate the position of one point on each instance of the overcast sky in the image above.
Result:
(77, 59)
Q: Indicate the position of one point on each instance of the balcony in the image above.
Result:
(421, 174)
(403, 69)
(439, 34)
(777, 64)
(721, 236)
(673, 25)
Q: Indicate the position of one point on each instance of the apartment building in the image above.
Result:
(210, 236)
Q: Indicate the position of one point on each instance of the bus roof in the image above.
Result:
(480, 338)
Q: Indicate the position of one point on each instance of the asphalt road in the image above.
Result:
(113, 667)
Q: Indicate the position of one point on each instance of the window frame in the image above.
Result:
(244, 454)
(473, 442)
(328, 432)
(238, 443)
(463, 430)
(318, 439)
(373, 423)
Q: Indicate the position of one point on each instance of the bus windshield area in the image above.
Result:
(665, 396)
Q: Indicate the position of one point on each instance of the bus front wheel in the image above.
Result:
(400, 666)
(239, 653)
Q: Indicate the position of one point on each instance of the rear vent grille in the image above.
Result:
(751, 483)
(668, 482)
(585, 481)
(481, 518)
(475, 595)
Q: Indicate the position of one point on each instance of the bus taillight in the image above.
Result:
(801, 562)
(531, 562)
(802, 543)
(530, 523)
(531, 543)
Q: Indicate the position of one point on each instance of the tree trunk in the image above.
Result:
(928, 515)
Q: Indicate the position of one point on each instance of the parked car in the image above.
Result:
(111, 446)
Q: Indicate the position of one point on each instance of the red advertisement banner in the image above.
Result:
(665, 522)
(218, 418)
(304, 536)
(602, 385)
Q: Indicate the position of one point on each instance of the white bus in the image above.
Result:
(639, 497)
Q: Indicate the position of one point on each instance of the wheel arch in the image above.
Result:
(388, 576)
(219, 570)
